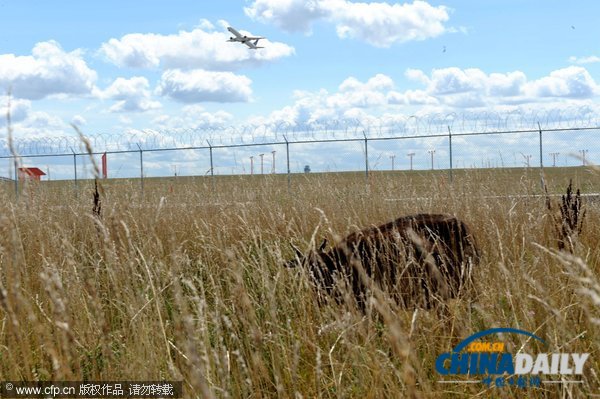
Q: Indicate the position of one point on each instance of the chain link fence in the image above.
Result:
(436, 142)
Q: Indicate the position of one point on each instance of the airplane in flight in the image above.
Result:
(250, 41)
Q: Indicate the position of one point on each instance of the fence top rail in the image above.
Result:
(46, 151)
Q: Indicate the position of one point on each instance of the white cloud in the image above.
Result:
(505, 85)
(49, 70)
(454, 80)
(290, 15)
(353, 93)
(37, 124)
(19, 109)
(201, 48)
(125, 120)
(78, 120)
(43, 120)
(194, 117)
(132, 95)
(354, 99)
(197, 112)
(205, 24)
(570, 82)
(411, 97)
(380, 24)
(377, 82)
(383, 24)
(200, 86)
(417, 75)
(472, 87)
(161, 120)
(443, 91)
(592, 59)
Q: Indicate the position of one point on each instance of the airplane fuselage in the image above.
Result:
(250, 41)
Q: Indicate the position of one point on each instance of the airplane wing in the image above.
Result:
(235, 32)
(251, 45)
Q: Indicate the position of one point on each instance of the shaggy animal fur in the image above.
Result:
(418, 260)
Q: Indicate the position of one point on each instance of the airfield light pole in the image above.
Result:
(251, 165)
(261, 163)
(273, 165)
(554, 155)
(583, 152)
(431, 152)
(411, 155)
(392, 158)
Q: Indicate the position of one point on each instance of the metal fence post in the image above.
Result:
(366, 158)
(211, 158)
(542, 180)
(212, 170)
(75, 171)
(541, 156)
(16, 163)
(287, 154)
(141, 168)
(450, 146)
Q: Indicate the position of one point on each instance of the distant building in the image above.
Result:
(306, 168)
(31, 174)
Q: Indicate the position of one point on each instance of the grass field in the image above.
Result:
(185, 282)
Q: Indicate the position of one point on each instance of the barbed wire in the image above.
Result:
(346, 129)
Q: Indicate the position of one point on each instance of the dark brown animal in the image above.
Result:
(418, 260)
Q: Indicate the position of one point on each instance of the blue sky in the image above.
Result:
(117, 66)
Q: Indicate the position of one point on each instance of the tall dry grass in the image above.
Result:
(186, 283)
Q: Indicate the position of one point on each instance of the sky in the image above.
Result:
(116, 67)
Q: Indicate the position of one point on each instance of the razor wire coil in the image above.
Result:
(313, 131)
